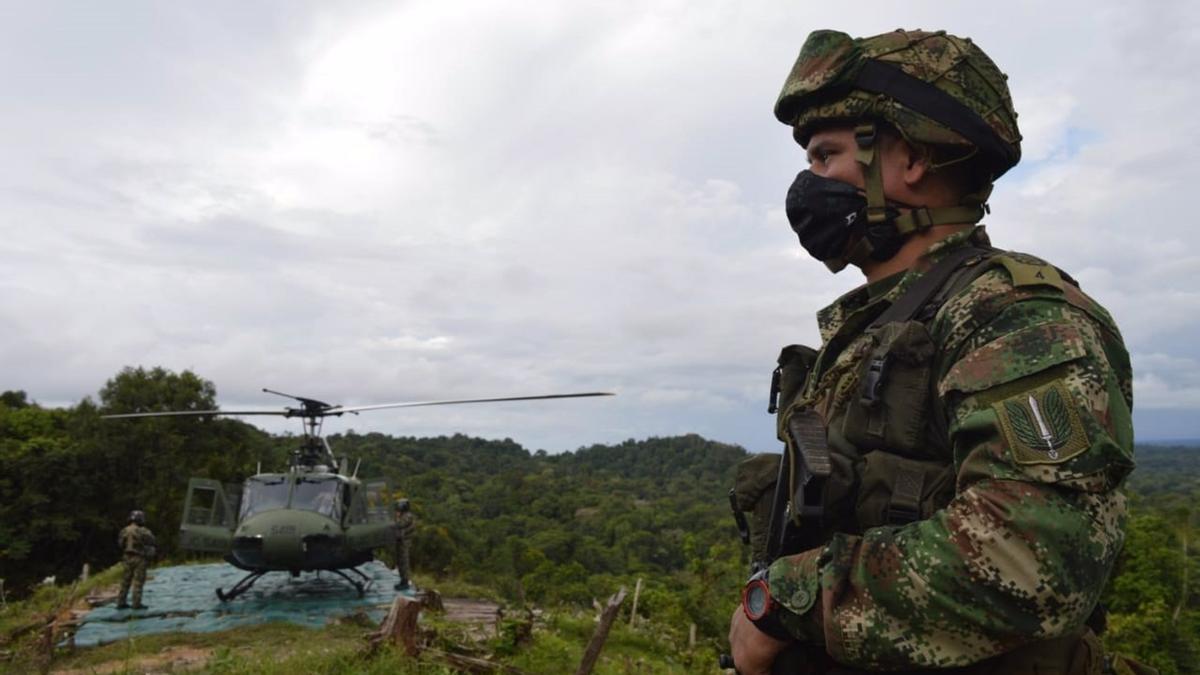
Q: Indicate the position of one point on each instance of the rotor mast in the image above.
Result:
(314, 451)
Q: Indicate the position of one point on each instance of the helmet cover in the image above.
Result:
(934, 88)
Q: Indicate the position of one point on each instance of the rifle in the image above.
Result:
(795, 522)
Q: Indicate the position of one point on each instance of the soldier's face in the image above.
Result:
(831, 154)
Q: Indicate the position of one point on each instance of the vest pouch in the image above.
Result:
(890, 409)
(753, 493)
(794, 364)
(895, 490)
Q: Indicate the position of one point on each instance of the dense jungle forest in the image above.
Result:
(540, 529)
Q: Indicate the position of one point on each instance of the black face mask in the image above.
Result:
(826, 214)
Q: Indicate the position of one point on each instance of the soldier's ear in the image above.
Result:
(917, 161)
(903, 162)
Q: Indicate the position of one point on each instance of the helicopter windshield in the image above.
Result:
(318, 494)
(263, 494)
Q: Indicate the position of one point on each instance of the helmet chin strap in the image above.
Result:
(917, 219)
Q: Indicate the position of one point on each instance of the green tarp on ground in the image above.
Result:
(183, 598)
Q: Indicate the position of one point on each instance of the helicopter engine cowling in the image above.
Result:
(288, 539)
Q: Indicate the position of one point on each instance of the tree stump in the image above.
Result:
(432, 600)
(400, 626)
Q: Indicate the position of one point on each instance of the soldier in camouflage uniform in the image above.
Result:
(137, 549)
(405, 528)
(973, 430)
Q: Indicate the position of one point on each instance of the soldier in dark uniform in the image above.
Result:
(405, 528)
(137, 549)
(967, 419)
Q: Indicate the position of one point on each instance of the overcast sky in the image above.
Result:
(376, 202)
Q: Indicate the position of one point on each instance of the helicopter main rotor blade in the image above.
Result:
(195, 413)
(415, 404)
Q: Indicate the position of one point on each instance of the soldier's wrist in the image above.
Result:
(795, 584)
(763, 610)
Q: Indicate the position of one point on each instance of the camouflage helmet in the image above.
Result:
(137, 516)
(401, 505)
(934, 88)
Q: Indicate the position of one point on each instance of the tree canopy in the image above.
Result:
(563, 528)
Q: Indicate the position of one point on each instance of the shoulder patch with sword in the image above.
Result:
(1042, 426)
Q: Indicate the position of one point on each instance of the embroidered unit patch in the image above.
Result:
(1042, 426)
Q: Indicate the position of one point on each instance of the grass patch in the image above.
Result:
(646, 649)
(22, 623)
(269, 649)
(458, 588)
(48, 599)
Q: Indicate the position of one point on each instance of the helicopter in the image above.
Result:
(315, 516)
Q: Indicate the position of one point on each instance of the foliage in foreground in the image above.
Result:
(557, 645)
(521, 527)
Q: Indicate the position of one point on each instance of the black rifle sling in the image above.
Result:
(910, 303)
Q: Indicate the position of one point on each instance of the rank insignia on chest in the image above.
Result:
(1042, 426)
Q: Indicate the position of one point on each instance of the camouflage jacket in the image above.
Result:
(405, 527)
(1030, 403)
(136, 540)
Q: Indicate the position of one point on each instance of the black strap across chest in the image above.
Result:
(913, 300)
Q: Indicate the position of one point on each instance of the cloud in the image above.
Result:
(1166, 382)
(381, 202)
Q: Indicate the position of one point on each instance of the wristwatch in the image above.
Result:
(761, 608)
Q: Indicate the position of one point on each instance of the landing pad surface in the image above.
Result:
(183, 598)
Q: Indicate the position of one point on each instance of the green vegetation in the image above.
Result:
(575, 526)
(70, 478)
(495, 521)
(1153, 597)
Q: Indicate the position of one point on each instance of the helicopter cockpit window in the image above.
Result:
(318, 494)
(261, 494)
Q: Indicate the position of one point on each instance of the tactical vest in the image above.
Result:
(865, 416)
(863, 420)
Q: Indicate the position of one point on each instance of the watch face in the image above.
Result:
(756, 600)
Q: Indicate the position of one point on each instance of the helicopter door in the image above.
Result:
(378, 508)
(209, 516)
(374, 527)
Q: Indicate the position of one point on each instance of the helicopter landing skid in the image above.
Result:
(248, 581)
(241, 586)
(359, 586)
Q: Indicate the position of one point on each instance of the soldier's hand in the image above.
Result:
(753, 650)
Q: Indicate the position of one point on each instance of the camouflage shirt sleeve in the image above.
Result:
(406, 526)
(1034, 384)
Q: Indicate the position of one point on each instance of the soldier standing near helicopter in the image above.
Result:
(136, 542)
(406, 527)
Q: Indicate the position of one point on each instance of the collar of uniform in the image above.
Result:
(974, 236)
(857, 306)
